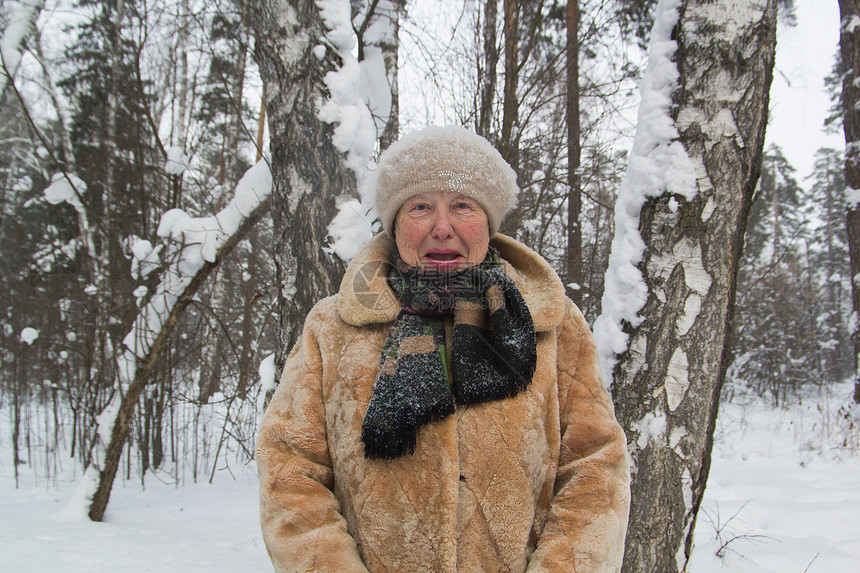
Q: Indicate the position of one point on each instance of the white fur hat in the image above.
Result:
(449, 159)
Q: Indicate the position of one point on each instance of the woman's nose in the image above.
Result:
(442, 225)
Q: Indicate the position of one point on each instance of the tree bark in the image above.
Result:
(510, 106)
(574, 151)
(487, 71)
(508, 144)
(849, 43)
(667, 383)
(308, 171)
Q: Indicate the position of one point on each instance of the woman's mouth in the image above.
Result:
(443, 258)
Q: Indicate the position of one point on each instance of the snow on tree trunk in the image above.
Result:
(319, 129)
(849, 41)
(680, 222)
(17, 31)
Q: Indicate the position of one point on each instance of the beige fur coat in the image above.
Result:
(538, 482)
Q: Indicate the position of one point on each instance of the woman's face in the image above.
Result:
(442, 231)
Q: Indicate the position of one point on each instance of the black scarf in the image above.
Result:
(493, 350)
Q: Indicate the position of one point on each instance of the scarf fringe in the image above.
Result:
(384, 445)
(474, 394)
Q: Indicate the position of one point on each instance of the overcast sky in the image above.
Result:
(799, 103)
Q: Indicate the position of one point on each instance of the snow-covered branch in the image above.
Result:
(196, 247)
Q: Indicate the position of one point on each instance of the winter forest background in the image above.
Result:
(163, 232)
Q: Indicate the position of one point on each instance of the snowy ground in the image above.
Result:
(164, 529)
(784, 495)
(784, 490)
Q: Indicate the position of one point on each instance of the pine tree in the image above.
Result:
(830, 264)
(772, 345)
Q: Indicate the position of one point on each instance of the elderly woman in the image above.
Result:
(445, 410)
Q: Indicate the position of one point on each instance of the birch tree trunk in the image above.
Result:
(308, 171)
(849, 42)
(179, 135)
(667, 383)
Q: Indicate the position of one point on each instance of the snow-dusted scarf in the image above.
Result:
(493, 351)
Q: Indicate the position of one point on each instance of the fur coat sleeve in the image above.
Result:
(300, 517)
(587, 518)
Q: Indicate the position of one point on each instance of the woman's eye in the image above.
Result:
(463, 206)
